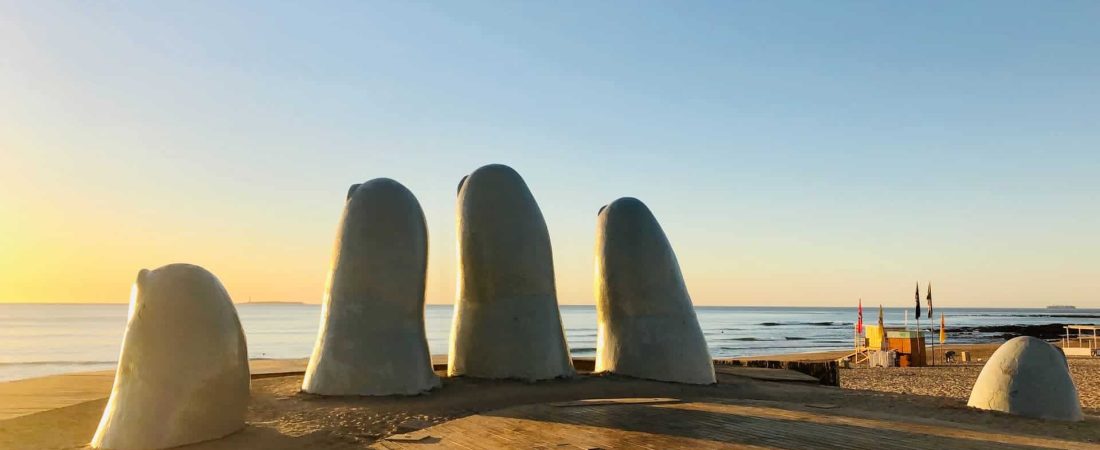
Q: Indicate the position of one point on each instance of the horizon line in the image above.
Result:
(297, 302)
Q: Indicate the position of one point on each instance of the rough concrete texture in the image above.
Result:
(1027, 377)
(506, 321)
(371, 339)
(183, 372)
(647, 324)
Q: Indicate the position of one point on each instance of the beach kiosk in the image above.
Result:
(907, 346)
(1080, 340)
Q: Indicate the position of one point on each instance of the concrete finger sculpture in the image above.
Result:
(506, 321)
(647, 324)
(183, 371)
(371, 339)
(1027, 377)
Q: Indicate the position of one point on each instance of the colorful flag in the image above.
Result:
(916, 297)
(943, 332)
(929, 298)
(859, 324)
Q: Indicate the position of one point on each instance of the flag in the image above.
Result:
(881, 328)
(943, 332)
(916, 297)
(929, 298)
(859, 324)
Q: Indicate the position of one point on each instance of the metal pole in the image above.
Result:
(932, 333)
(920, 336)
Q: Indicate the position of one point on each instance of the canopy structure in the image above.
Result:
(1081, 340)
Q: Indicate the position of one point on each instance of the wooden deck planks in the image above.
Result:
(760, 373)
(707, 425)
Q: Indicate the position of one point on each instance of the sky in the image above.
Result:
(796, 153)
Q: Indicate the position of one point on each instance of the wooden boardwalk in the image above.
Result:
(759, 373)
(660, 424)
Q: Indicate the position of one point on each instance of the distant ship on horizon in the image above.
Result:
(1061, 307)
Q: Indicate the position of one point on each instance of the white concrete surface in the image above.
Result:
(183, 373)
(1027, 377)
(647, 324)
(506, 323)
(371, 339)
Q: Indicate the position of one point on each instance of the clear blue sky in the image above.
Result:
(795, 152)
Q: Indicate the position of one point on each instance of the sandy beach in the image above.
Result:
(955, 381)
(946, 381)
(280, 417)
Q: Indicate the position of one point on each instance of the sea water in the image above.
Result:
(44, 339)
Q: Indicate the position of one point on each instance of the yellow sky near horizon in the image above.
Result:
(91, 253)
(85, 242)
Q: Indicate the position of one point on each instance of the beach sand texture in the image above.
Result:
(951, 381)
(955, 381)
(280, 417)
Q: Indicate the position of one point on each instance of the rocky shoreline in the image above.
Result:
(1050, 331)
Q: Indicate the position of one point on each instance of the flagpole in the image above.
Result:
(920, 336)
(855, 345)
(931, 322)
(916, 316)
(857, 331)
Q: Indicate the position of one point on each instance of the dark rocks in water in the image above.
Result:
(816, 324)
(1044, 331)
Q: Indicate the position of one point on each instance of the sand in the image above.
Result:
(951, 382)
(22, 397)
(280, 417)
(955, 381)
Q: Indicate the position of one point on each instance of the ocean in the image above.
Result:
(45, 339)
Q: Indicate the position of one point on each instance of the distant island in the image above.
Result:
(1061, 307)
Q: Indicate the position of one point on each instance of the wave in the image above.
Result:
(813, 324)
(711, 337)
